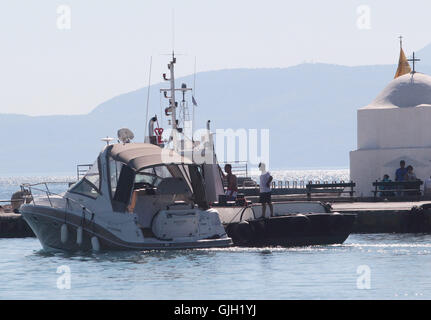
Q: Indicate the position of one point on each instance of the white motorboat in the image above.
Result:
(293, 224)
(136, 196)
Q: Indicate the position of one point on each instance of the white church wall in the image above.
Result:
(368, 131)
(394, 128)
(363, 171)
(367, 166)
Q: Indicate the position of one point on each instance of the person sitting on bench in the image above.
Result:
(386, 193)
(410, 175)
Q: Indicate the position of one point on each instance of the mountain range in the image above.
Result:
(309, 109)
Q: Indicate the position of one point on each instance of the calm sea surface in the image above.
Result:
(364, 267)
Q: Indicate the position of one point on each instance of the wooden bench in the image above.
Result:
(397, 188)
(330, 188)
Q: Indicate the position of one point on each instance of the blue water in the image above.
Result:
(399, 268)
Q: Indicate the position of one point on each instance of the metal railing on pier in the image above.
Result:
(239, 168)
(284, 184)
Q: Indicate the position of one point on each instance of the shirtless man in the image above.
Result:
(232, 188)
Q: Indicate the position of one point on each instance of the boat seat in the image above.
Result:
(146, 206)
(173, 186)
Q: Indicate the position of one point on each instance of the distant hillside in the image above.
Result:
(425, 55)
(310, 110)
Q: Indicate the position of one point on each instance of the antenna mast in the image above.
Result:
(172, 102)
(171, 110)
(148, 95)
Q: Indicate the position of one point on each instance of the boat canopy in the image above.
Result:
(141, 155)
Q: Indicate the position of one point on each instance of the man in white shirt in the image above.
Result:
(265, 190)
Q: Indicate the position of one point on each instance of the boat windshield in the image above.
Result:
(155, 177)
(89, 185)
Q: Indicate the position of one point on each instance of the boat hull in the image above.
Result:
(47, 224)
(293, 230)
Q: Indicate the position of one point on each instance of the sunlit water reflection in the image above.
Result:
(399, 268)
(399, 265)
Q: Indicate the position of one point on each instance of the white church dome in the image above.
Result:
(409, 90)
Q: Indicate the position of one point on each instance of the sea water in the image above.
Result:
(382, 266)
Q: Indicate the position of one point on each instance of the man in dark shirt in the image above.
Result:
(400, 175)
(401, 172)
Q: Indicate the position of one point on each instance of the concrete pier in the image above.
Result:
(12, 225)
(406, 215)
(388, 217)
(372, 217)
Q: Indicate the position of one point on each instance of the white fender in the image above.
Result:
(64, 233)
(79, 236)
(95, 243)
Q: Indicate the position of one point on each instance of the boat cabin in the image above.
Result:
(143, 179)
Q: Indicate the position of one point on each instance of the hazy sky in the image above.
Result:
(49, 70)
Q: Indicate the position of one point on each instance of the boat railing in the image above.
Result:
(82, 169)
(42, 187)
(6, 202)
(249, 183)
